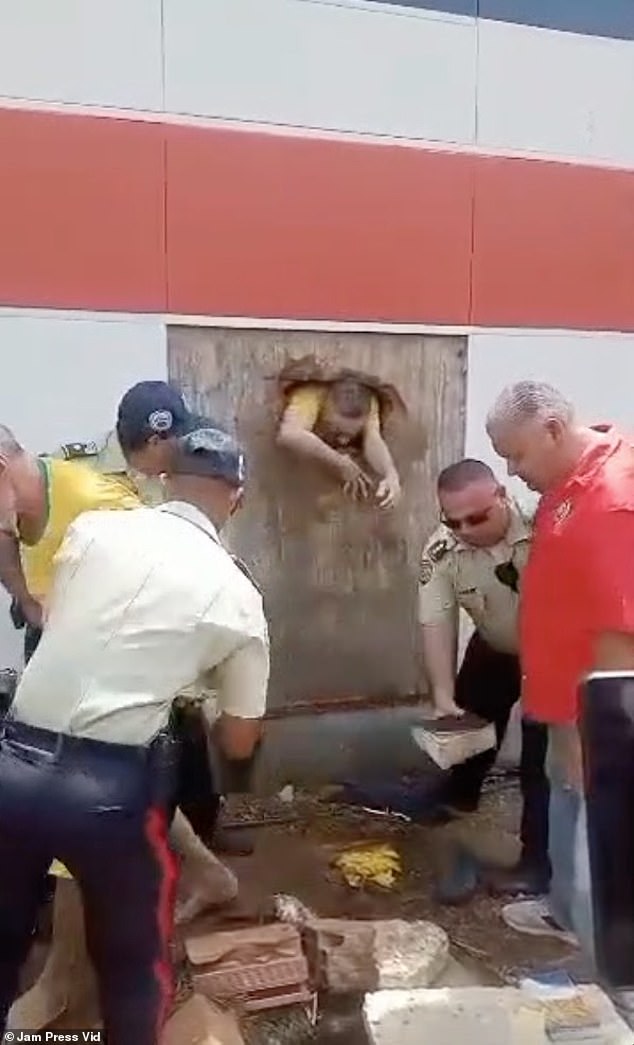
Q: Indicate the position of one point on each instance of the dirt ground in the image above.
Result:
(296, 858)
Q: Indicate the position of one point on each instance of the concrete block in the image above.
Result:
(478, 1015)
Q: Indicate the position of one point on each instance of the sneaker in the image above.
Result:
(534, 918)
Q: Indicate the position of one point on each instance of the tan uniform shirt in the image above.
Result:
(144, 603)
(454, 574)
(105, 455)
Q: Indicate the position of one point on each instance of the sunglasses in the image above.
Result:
(475, 519)
(508, 575)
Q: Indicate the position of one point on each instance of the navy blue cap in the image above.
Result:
(212, 453)
(152, 408)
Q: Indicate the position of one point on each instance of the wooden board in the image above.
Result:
(339, 579)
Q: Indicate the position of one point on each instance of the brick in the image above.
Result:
(341, 955)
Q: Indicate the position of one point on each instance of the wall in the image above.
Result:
(459, 167)
(597, 372)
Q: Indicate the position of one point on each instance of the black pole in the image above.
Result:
(607, 729)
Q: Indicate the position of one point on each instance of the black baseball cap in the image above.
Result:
(210, 452)
(151, 408)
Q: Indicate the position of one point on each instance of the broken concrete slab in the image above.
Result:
(347, 956)
(480, 1015)
(409, 954)
(200, 1022)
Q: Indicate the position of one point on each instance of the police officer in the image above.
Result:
(144, 601)
(474, 562)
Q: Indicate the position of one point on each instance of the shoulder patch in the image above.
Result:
(73, 451)
(426, 571)
(438, 550)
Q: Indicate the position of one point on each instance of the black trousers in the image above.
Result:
(104, 811)
(607, 721)
(488, 684)
(197, 795)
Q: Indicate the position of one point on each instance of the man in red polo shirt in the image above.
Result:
(577, 610)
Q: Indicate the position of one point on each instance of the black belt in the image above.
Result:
(56, 743)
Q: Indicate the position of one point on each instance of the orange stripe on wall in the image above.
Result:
(554, 245)
(102, 213)
(272, 226)
(81, 212)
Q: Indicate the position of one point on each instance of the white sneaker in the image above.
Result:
(534, 918)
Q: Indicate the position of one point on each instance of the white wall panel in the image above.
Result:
(553, 92)
(62, 380)
(99, 52)
(319, 65)
(595, 370)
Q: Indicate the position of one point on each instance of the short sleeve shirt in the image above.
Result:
(144, 603)
(579, 583)
(455, 575)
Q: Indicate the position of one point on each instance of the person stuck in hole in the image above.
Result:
(338, 424)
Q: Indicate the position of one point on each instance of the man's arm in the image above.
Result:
(439, 646)
(378, 456)
(241, 682)
(610, 576)
(438, 615)
(13, 579)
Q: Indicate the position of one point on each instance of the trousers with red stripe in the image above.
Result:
(104, 811)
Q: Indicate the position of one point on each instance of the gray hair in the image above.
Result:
(530, 401)
(9, 446)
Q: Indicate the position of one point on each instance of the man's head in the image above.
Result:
(532, 426)
(347, 406)
(473, 503)
(16, 471)
(208, 470)
(152, 415)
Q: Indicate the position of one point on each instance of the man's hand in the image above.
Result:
(388, 492)
(355, 482)
(33, 612)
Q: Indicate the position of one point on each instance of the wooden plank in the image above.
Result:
(339, 579)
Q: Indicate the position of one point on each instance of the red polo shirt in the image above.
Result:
(579, 581)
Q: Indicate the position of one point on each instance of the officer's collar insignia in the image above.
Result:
(438, 550)
(74, 450)
(160, 420)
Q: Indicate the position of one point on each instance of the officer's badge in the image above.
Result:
(438, 550)
(160, 420)
(426, 571)
(75, 451)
